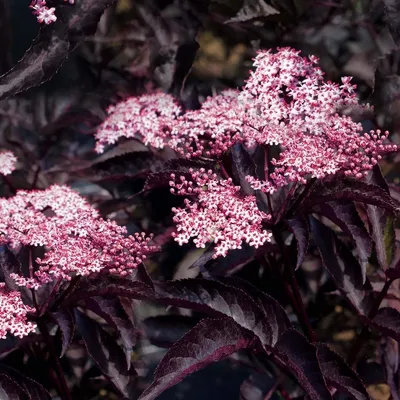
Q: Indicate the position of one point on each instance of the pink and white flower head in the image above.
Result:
(8, 162)
(289, 104)
(148, 118)
(76, 240)
(13, 314)
(219, 213)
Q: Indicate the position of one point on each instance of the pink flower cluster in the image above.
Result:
(43, 13)
(220, 214)
(13, 314)
(285, 102)
(149, 118)
(7, 162)
(289, 104)
(76, 240)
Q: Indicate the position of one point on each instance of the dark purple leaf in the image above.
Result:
(345, 216)
(52, 46)
(387, 321)
(34, 389)
(258, 387)
(10, 390)
(339, 375)
(252, 9)
(218, 299)
(105, 352)
(266, 322)
(300, 357)
(209, 341)
(276, 315)
(382, 224)
(301, 231)
(113, 313)
(242, 166)
(349, 189)
(165, 330)
(110, 286)
(65, 321)
(342, 266)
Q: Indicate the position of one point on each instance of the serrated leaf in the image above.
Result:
(65, 321)
(300, 357)
(349, 189)
(277, 317)
(268, 323)
(105, 352)
(345, 216)
(387, 321)
(33, 389)
(52, 46)
(218, 299)
(301, 231)
(209, 341)
(9, 389)
(110, 286)
(339, 375)
(113, 313)
(252, 9)
(342, 266)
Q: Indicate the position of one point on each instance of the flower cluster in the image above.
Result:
(289, 104)
(7, 162)
(13, 316)
(76, 240)
(43, 13)
(149, 118)
(285, 102)
(220, 214)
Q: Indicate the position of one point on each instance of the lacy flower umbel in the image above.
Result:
(220, 213)
(285, 103)
(75, 239)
